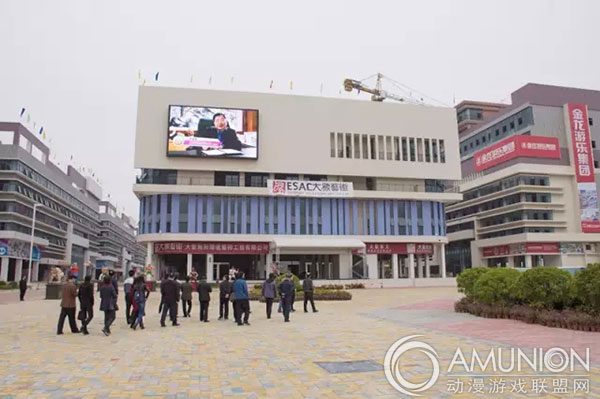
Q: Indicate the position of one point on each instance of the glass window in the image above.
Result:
(434, 149)
(340, 145)
(332, 144)
(380, 147)
(404, 149)
(388, 148)
(348, 145)
(442, 152)
(357, 146)
(7, 137)
(412, 149)
(256, 179)
(227, 178)
(365, 147)
(397, 148)
(283, 176)
(373, 147)
(420, 150)
(427, 151)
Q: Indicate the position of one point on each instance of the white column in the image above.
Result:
(69, 244)
(189, 264)
(511, 262)
(420, 266)
(149, 253)
(36, 271)
(4, 268)
(528, 261)
(209, 267)
(443, 259)
(395, 266)
(18, 269)
(411, 267)
(86, 263)
(346, 265)
(372, 266)
(427, 267)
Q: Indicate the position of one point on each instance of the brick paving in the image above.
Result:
(269, 359)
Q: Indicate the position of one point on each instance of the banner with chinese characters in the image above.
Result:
(397, 248)
(300, 188)
(192, 247)
(584, 167)
(517, 146)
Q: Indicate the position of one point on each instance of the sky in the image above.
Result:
(74, 64)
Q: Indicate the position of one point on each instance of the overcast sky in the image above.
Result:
(74, 64)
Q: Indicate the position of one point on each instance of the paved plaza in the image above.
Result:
(336, 353)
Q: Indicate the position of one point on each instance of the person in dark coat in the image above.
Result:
(108, 300)
(162, 301)
(269, 291)
(86, 303)
(224, 295)
(186, 297)
(204, 290)
(22, 287)
(139, 297)
(308, 288)
(286, 291)
(128, 290)
(170, 293)
(67, 306)
(242, 300)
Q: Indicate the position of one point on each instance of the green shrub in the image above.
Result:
(496, 286)
(12, 285)
(466, 280)
(295, 278)
(332, 286)
(586, 286)
(545, 288)
(2, 284)
(355, 286)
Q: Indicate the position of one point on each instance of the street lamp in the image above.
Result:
(31, 243)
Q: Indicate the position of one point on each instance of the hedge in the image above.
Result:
(465, 281)
(497, 286)
(319, 295)
(586, 288)
(8, 285)
(545, 288)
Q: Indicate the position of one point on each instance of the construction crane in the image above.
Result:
(378, 94)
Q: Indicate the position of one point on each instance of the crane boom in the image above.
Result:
(378, 94)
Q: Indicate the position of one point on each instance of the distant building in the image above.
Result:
(67, 221)
(530, 175)
(470, 114)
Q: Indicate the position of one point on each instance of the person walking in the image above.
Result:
(139, 297)
(86, 303)
(162, 300)
(308, 288)
(241, 302)
(224, 295)
(269, 291)
(128, 290)
(204, 290)
(186, 297)
(286, 291)
(170, 293)
(67, 306)
(22, 288)
(108, 302)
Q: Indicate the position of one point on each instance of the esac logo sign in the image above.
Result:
(508, 369)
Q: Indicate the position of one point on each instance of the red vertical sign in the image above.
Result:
(584, 167)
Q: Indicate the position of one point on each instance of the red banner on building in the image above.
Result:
(398, 248)
(542, 247)
(498, 250)
(584, 167)
(517, 146)
(191, 247)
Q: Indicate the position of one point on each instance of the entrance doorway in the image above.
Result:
(250, 265)
(320, 267)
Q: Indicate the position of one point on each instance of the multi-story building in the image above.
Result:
(67, 222)
(470, 114)
(341, 189)
(529, 185)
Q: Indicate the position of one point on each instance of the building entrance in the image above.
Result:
(320, 267)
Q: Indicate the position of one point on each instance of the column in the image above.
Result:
(395, 266)
(18, 269)
(420, 266)
(528, 261)
(511, 262)
(345, 265)
(411, 267)
(189, 264)
(86, 264)
(443, 259)
(148, 253)
(372, 266)
(427, 267)
(36, 271)
(209, 267)
(4, 268)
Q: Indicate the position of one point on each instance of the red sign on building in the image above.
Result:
(398, 248)
(517, 146)
(191, 247)
(542, 247)
(496, 251)
(584, 167)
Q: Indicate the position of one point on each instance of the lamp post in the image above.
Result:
(31, 243)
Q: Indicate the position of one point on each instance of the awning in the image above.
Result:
(321, 242)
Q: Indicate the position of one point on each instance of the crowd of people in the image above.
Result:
(233, 289)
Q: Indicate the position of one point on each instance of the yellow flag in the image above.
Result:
(291, 85)
(139, 73)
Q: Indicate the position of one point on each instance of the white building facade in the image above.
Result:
(340, 189)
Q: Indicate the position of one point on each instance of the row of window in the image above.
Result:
(497, 132)
(499, 203)
(516, 216)
(176, 213)
(522, 230)
(513, 181)
(391, 148)
(471, 114)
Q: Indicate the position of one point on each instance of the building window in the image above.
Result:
(595, 164)
(442, 152)
(340, 145)
(256, 179)
(497, 132)
(404, 149)
(427, 151)
(365, 146)
(434, 149)
(420, 150)
(283, 176)
(315, 177)
(412, 149)
(357, 146)
(591, 121)
(512, 125)
(397, 148)
(373, 147)
(504, 129)
(348, 145)
(520, 121)
(477, 142)
(593, 143)
(332, 144)
(227, 179)
(388, 148)
(380, 147)
(471, 144)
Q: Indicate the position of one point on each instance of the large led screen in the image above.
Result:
(212, 132)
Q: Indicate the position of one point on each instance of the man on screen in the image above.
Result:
(221, 131)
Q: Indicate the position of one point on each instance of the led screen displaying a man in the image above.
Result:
(221, 131)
